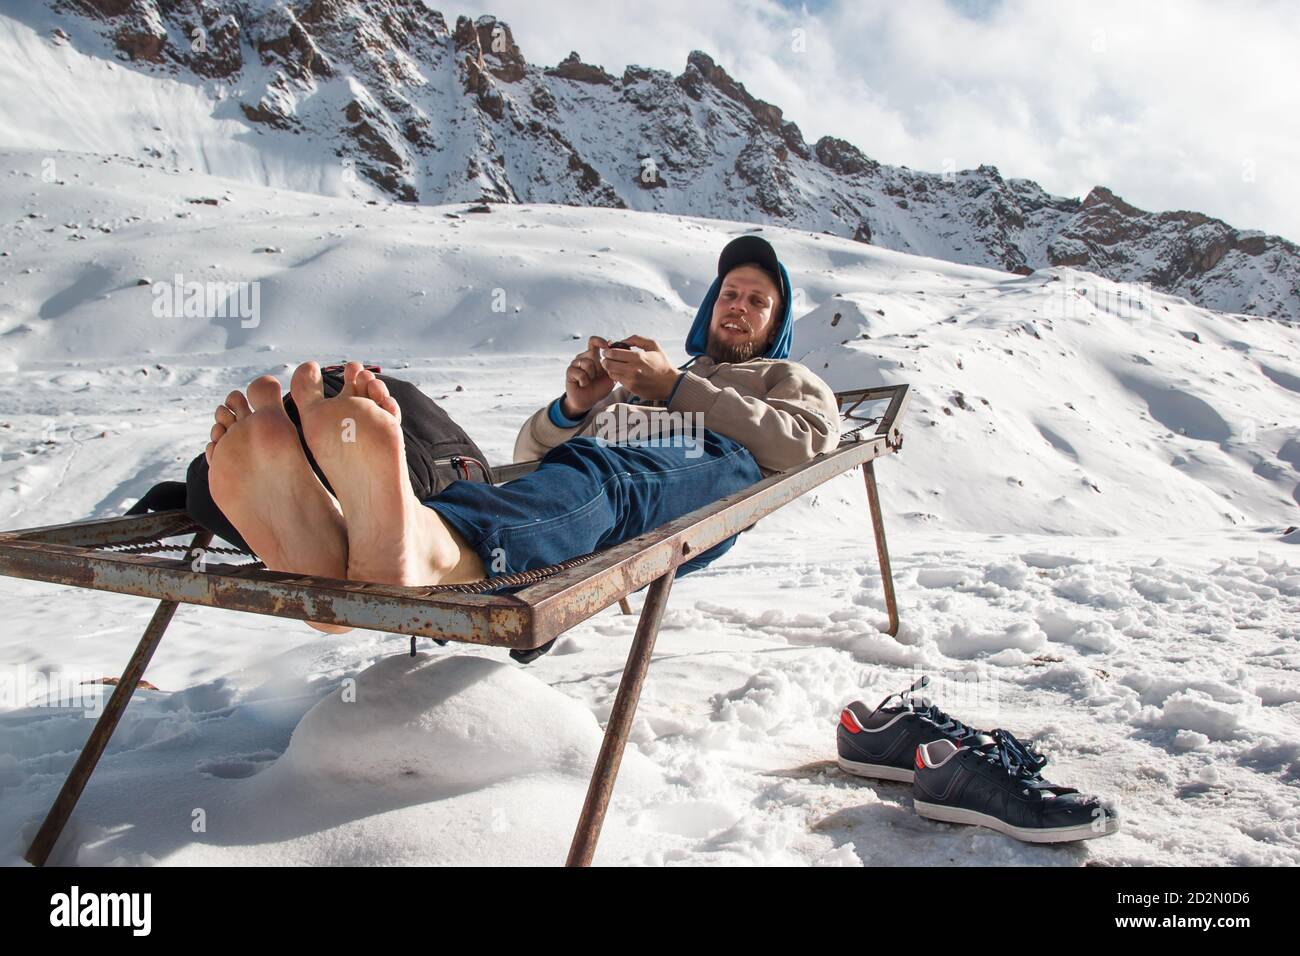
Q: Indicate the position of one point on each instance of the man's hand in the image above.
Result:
(585, 381)
(647, 373)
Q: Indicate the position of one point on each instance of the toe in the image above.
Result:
(307, 387)
(207, 452)
(217, 431)
(224, 416)
(238, 404)
(361, 383)
(350, 373)
(264, 393)
(378, 393)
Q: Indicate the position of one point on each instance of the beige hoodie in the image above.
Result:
(782, 412)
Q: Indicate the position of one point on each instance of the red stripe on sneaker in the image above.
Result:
(850, 722)
(920, 763)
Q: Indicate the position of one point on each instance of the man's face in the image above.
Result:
(744, 317)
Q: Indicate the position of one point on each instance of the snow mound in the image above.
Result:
(443, 722)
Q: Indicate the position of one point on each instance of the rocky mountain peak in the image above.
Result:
(492, 44)
(843, 157)
(426, 114)
(701, 69)
(1100, 196)
(572, 68)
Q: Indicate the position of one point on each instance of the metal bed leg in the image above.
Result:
(624, 606)
(79, 776)
(620, 723)
(882, 549)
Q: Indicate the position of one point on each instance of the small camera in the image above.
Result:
(620, 344)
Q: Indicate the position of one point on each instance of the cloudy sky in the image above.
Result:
(1173, 104)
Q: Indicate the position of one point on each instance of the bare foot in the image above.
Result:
(356, 438)
(260, 479)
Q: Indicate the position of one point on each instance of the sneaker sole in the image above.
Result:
(1083, 831)
(876, 771)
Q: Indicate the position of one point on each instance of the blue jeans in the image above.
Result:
(587, 495)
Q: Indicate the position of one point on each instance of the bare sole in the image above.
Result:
(357, 441)
(261, 481)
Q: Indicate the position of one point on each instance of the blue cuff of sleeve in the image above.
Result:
(559, 419)
(680, 376)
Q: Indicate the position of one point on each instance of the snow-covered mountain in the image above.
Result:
(385, 98)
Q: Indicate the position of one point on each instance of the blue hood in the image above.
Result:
(697, 341)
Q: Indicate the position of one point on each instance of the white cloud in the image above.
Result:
(1174, 105)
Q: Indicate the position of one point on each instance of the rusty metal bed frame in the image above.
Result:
(552, 601)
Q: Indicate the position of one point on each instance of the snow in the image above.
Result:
(104, 106)
(1088, 530)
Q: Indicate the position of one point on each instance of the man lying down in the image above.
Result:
(338, 487)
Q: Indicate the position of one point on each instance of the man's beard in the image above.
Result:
(740, 352)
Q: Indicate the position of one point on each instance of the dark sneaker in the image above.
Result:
(995, 781)
(527, 657)
(882, 743)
